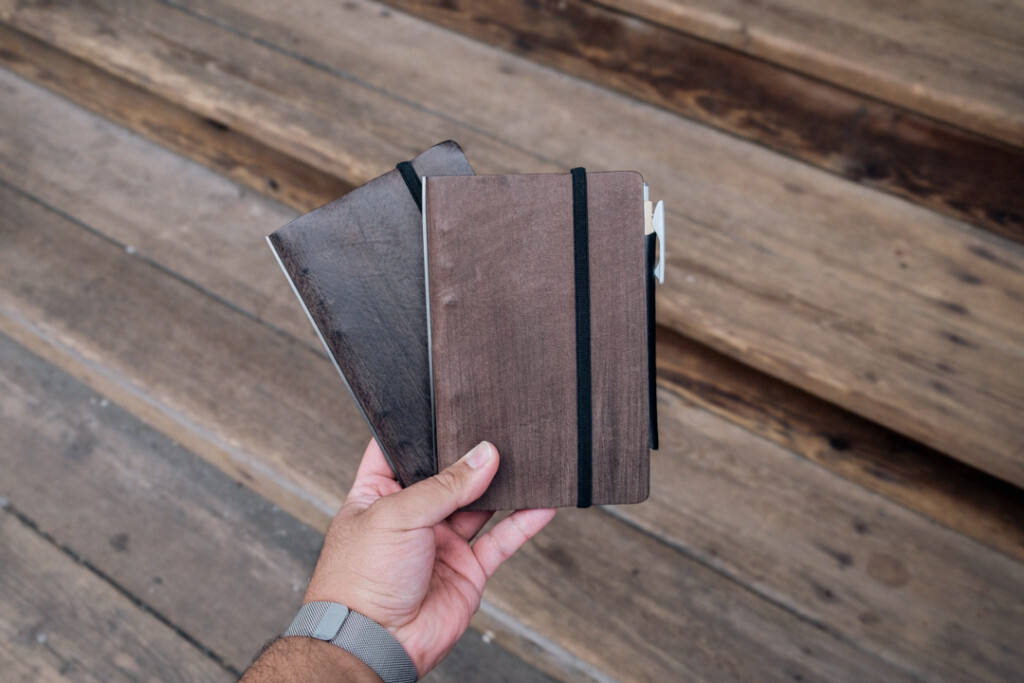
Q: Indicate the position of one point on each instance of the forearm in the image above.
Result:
(307, 659)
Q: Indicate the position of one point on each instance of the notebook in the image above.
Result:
(540, 317)
(356, 265)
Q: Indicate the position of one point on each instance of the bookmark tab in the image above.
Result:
(412, 181)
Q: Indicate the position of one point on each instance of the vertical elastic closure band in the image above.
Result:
(584, 414)
(412, 181)
(652, 365)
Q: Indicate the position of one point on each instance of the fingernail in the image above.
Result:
(481, 454)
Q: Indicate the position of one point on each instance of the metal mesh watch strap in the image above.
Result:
(362, 636)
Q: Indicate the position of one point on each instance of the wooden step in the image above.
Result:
(942, 58)
(194, 546)
(912, 475)
(98, 322)
(58, 620)
(863, 535)
(924, 102)
(889, 310)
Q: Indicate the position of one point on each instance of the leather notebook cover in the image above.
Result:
(357, 266)
(517, 358)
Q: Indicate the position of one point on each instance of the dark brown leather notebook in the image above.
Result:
(356, 265)
(540, 314)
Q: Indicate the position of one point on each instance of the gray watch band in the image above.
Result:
(362, 636)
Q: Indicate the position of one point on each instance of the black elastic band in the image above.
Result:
(584, 415)
(652, 385)
(412, 181)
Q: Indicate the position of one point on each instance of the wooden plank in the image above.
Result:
(195, 547)
(239, 157)
(301, 108)
(910, 474)
(924, 598)
(959, 497)
(949, 60)
(59, 620)
(908, 328)
(872, 141)
(645, 612)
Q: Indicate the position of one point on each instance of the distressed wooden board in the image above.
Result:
(298, 106)
(246, 161)
(62, 173)
(645, 612)
(959, 62)
(921, 597)
(959, 497)
(165, 527)
(60, 621)
(889, 310)
(905, 152)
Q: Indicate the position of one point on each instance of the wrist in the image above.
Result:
(301, 658)
(374, 645)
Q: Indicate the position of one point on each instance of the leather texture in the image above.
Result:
(500, 273)
(357, 265)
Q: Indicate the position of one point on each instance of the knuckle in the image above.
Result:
(449, 482)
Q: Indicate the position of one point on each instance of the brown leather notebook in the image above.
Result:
(540, 315)
(356, 265)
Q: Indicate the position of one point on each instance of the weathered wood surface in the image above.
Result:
(230, 153)
(179, 537)
(961, 172)
(954, 61)
(563, 565)
(60, 621)
(889, 310)
(924, 598)
(708, 626)
(910, 474)
(957, 496)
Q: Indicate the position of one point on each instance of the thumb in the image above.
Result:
(432, 500)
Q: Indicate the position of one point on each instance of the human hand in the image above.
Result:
(405, 558)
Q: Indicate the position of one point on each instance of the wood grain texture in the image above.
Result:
(955, 62)
(285, 102)
(243, 159)
(923, 598)
(918, 478)
(921, 479)
(357, 265)
(874, 325)
(85, 321)
(963, 173)
(175, 534)
(58, 317)
(59, 620)
(503, 332)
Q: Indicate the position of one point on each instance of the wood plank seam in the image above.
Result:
(760, 594)
(351, 78)
(9, 508)
(880, 145)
